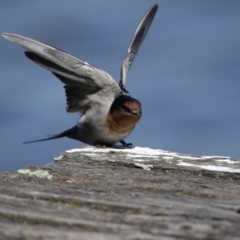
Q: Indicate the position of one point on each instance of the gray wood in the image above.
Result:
(116, 194)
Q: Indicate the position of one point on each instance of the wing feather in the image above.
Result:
(84, 83)
(136, 43)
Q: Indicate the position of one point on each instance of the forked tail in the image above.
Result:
(70, 133)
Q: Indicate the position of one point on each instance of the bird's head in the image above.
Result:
(124, 113)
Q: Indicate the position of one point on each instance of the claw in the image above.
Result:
(129, 145)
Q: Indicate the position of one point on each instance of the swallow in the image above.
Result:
(108, 112)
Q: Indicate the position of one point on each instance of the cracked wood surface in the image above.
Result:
(92, 193)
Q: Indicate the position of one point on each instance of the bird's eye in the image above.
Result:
(124, 108)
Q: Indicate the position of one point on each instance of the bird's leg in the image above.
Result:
(126, 144)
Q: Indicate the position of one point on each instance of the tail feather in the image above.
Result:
(71, 133)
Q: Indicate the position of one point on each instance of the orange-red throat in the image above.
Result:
(124, 113)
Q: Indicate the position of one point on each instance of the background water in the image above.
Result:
(187, 74)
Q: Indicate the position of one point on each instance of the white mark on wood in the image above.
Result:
(219, 168)
(36, 173)
(147, 167)
(167, 158)
(210, 157)
(140, 155)
(226, 161)
(186, 164)
(210, 167)
(58, 158)
(139, 160)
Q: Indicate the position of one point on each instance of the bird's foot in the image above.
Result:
(128, 145)
(124, 145)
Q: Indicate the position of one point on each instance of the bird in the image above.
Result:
(108, 112)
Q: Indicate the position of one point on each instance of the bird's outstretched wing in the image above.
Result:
(84, 84)
(137, 40)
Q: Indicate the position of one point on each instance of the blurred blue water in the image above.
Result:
(187, 74)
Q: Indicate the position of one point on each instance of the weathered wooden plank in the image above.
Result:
(92, 193)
